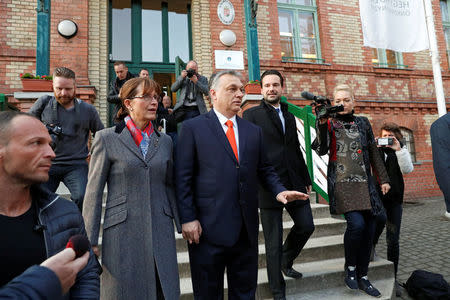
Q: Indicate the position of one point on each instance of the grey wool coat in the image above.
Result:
(138, 228)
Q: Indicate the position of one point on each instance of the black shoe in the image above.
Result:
(398, 289)
(279, 298)
(368, 288)
(350, 279)
(290, 272)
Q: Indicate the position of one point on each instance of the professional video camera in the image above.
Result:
(55, 133)
(190, 73)
(322, 105)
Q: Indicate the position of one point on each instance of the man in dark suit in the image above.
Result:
(283, 149)
(220, 159)
(440, 143)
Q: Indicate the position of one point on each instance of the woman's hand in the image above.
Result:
(396, 145)
(385, 187)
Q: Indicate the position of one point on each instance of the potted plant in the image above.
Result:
(253, 87)
(31, 83)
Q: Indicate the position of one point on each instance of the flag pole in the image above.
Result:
(440, 98)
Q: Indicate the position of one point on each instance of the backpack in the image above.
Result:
(423, 285)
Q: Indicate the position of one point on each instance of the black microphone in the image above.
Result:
(79, 243)
(39, 228)
(308, 95)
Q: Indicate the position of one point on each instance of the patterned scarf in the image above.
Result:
(140, 137)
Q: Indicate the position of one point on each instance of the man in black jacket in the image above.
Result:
(36, 223)
(283, 149)
(123, 75)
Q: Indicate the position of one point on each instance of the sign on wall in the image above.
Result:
(225, 11)
(229, 60)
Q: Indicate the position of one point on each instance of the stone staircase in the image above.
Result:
(321, 262)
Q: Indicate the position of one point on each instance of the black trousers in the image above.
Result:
(279, 255)
(208, 263)
(392, 219)
(358, 240)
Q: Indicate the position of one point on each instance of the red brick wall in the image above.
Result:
(17, 42)
(71, 53)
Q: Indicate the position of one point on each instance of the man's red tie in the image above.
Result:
(232, 138)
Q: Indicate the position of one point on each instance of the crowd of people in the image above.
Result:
(211, 174)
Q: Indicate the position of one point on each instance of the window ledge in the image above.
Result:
(392, 68)
(306, 63)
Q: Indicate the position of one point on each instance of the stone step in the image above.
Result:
(321, 279)
(323, 227)
(316, 249)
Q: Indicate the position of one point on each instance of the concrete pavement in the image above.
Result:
(424, 240)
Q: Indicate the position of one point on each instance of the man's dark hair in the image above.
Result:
(6, 118)
(142, 69)
(118, 63)
(64, 72)
(272, 72)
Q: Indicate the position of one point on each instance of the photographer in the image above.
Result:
(69, 121)
(397, 161)
(193, 86)
(351, 187)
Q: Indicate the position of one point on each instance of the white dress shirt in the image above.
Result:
(223, 120)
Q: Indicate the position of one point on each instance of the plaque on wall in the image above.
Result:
(229, 60)
(225, 11)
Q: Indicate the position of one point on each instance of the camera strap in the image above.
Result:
(54, 106)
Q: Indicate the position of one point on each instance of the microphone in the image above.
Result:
(79, 243)
(39, 228)
(308, 95)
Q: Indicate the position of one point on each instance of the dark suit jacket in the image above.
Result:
(213, 187)
(283, 150)
(440, 142)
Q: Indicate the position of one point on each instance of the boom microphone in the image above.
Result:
(79, 243)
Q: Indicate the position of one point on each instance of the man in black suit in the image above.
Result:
(283, 149)
(440, 144)
(220, 159)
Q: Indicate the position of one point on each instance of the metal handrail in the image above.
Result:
(2, 102)
(317, 165)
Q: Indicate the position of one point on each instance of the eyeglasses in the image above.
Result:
(147, 98)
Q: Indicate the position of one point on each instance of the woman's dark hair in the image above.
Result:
(394, 128)
(129, 90)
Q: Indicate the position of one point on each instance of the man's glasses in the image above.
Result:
(147, 98)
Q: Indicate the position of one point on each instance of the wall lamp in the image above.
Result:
(67, 28)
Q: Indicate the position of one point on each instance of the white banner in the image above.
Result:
(397, 25)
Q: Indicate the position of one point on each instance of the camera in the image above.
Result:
(387, 141)
(55, 132)
(190, 73)
(322, 106)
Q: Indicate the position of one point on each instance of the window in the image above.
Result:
(299, 36)
(384, 58)
(408, 141)
(121, 30)
(150, 31)
(446, 24)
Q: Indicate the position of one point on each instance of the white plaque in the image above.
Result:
(230, 60)
(225, 11)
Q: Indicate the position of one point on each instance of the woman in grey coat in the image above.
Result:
(135, 161)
